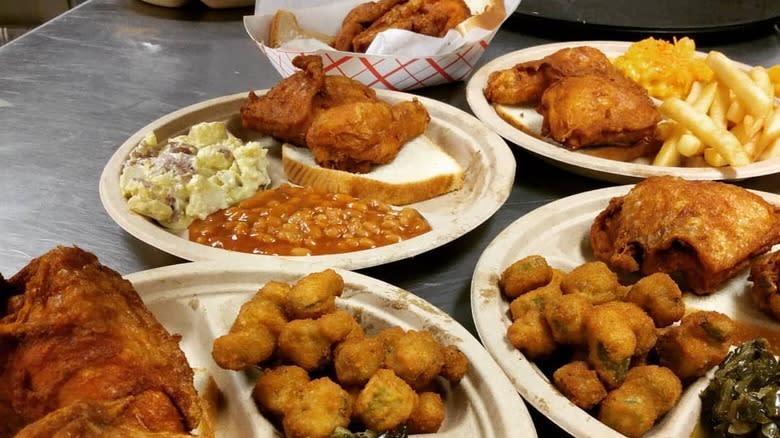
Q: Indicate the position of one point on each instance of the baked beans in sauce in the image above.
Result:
(291, 220)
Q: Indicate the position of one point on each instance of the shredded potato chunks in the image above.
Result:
(664, 69)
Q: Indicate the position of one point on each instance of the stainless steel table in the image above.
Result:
(74, 89)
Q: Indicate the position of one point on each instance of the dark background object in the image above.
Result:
(709, 20)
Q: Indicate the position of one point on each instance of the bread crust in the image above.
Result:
(364, 186)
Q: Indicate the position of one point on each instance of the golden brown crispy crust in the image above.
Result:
(81, 332)
(427, 17)
(581, 111)
(708, 231)
(765, 275)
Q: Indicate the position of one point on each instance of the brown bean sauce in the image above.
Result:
(290, 220)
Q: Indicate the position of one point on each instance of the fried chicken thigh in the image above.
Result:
(595, 110)
(427, 17)
(527, 81)
(341, 120)
(705, 230)
(584, 99)
(80, 355)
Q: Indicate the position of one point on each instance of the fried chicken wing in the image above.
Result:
(341, 120)
(591, 110)
(427, 17)
(706, 230)
(79, 350)
(287, 110)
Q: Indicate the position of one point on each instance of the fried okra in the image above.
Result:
(339, 325)
(243, 349)
(566, 315)
(617, 332)
(525, 275)
(456, 364)
(318, 408)
(302, 343)
(314, 295)
(252, 336)
(659, 296)
(385, 402)
(700, 342)
(276, 388)
(580, 384)
(417, 358)
(530, 332)
(356, 360)
(648, 393)
(428, 414)
(595, 281)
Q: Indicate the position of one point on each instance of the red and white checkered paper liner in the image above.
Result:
(388, 72)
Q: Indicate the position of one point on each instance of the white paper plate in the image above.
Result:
(489, 164)
(577, 162)
(560, 231)
(200, 301)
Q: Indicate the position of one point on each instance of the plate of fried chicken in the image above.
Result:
(568, 104)
(396, 154)
(609, 309)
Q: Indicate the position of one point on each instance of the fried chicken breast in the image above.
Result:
(705, 230)
(79, 351)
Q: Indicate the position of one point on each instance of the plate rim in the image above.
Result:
(511, 413)
(596, 167)
(490, 147)
(536, 389)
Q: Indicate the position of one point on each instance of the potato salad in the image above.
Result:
(193, 175)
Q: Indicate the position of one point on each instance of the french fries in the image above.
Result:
(734, 120)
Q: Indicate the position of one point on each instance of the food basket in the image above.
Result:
(402, 61)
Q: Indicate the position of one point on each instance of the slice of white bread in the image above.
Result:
(420, 171)
(284, 27)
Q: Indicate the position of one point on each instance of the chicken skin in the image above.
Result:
(707, 231)
(585, 101)
(341, 120)
(527, 81)
(591, 110)
(427, 17)
(79, 351)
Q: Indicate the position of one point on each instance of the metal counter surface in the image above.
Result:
(74, 89)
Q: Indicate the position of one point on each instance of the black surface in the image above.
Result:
(662, 18)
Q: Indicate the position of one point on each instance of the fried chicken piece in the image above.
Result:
(527, 81)
(355, 137)
(341, 120)
(98, 419)
(287, 110)
(589, 110)
(358, 19)
(78, 347)
(427, 17)
(765, 274)
(706, 230)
